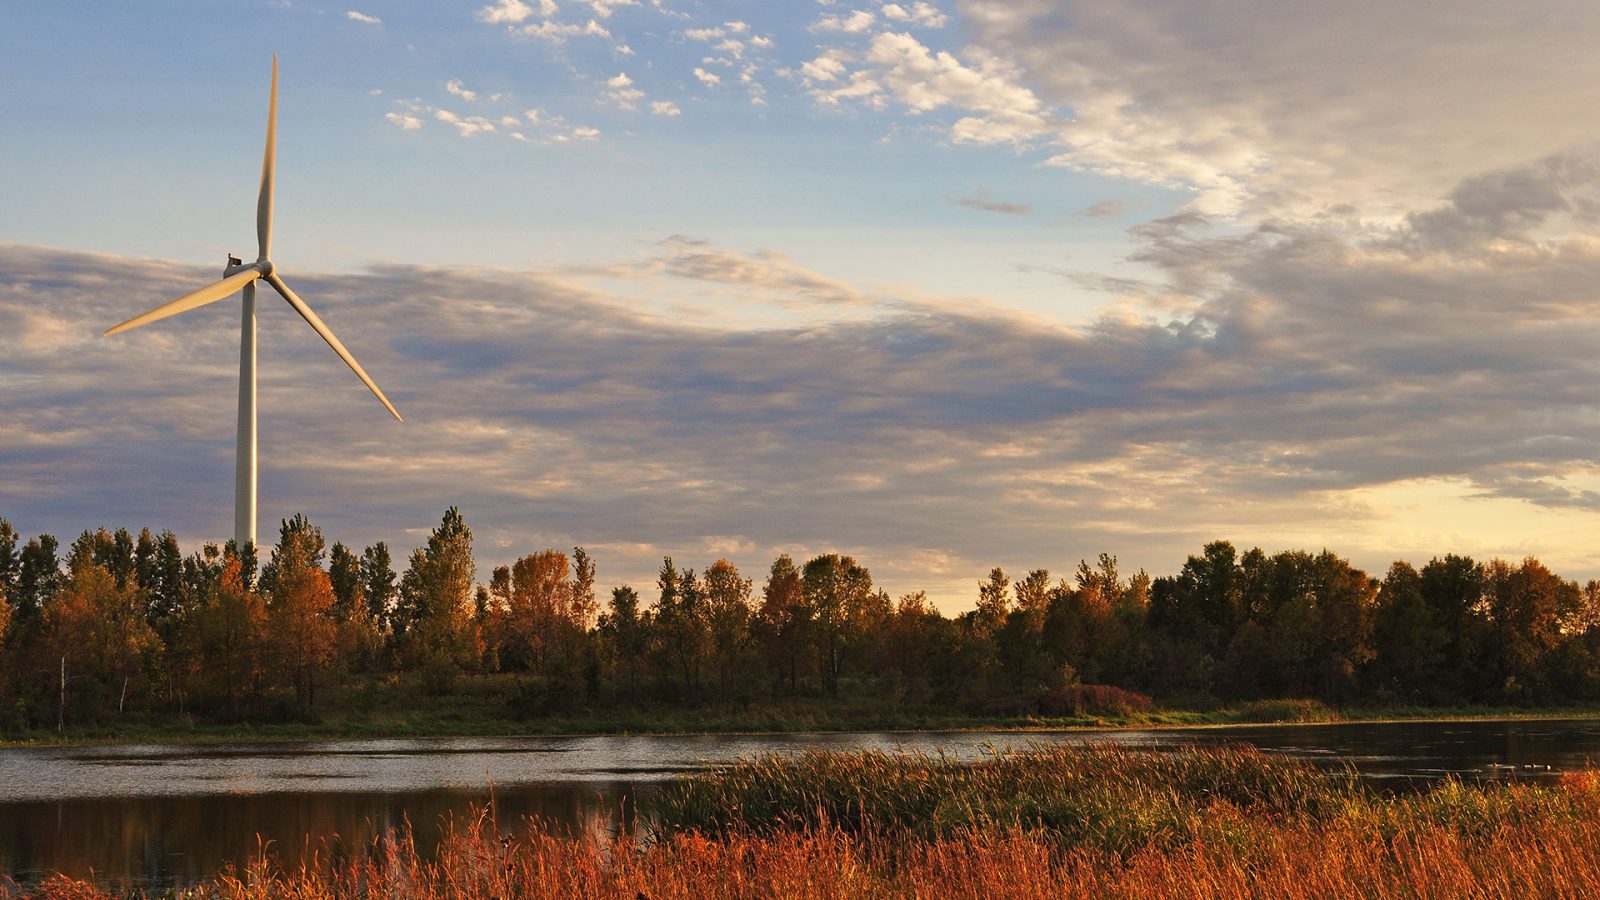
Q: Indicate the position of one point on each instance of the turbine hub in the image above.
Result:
(265, 265)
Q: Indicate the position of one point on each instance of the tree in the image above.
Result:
(782, 622)
(300, 544)
(625, 635)
(301, 623)
(344, 576)
(1408, 641)
(681, 631)
(728, 609)
(227, 629)
(38, 576)
(993, 601)
(378, 583)
(97, 636)
(1526, 606)
(840, 596)
(9, 560)
(435, 614)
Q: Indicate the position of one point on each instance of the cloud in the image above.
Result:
(363, 18)
(922, 14)
(511, 12)
(709, 79)
(664, 108)
(1267, 383)
(1264, 108)
(1104, 209)
(603, 8)
(856, 22)
(622, 92)
(983, 203)
(558, 32)
(466, 126)
(454, 87)
(405, 121)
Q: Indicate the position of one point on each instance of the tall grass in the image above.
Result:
(1199, 823)
(1088, 795)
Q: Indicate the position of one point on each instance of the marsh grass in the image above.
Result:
(1088, 821)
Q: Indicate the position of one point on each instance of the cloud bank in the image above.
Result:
(1269, 374)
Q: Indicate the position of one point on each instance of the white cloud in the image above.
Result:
(856, 22)
(454, 87)
(710, 79)
(827, 67)
(923, 14)
(466, 126)
(558, 32)
(603, 8)
(363, 18)
(406, 121)
(512, 12)
(620, 80)
(664, 108)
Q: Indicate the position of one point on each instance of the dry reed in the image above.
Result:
(1250, 826)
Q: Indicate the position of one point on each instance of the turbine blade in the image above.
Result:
(316, 322)
(268, 164)
(211, 293)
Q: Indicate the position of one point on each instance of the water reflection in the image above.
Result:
(151, 816)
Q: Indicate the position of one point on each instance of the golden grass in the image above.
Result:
(1510, 841)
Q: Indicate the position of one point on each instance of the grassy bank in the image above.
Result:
(1067, 822)
(450, 717)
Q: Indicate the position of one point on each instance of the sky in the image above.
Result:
(940, 285)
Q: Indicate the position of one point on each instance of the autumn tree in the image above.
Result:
(302, 627)
(227, 629)
(96, 636)
(782, 623)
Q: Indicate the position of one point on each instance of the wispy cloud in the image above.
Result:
(984, 203)
(363, 18)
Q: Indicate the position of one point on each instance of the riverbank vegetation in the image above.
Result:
(124, 634)
(1050, 821)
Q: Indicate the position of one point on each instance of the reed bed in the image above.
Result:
(1201, 823)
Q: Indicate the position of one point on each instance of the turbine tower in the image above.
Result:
(237, 276)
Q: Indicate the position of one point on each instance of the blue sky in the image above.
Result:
(943, 285)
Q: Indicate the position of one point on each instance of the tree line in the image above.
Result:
(124, 624)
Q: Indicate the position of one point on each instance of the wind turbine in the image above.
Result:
(237, 276)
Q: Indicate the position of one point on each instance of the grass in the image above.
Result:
(1063, 822)
(399, 707)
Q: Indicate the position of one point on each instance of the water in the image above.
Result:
(156, 816)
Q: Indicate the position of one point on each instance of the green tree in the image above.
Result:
(379, 584)
(344, 575)
(436, 603)
(728, 612)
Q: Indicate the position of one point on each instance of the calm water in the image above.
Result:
(154, 816)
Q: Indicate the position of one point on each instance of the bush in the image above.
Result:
(1288, 709)
(1092, 700)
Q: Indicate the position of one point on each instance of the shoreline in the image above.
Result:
(713, 725)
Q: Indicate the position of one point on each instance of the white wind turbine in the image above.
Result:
(235, 277)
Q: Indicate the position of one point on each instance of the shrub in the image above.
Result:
(1092, 700)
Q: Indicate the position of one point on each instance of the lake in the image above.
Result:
(155, 816)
